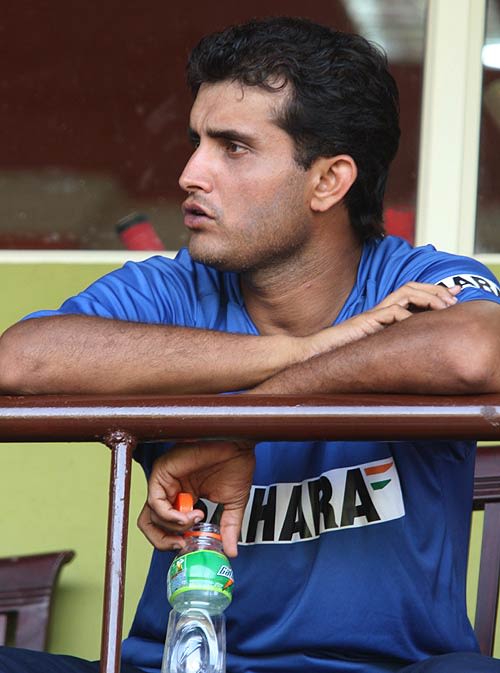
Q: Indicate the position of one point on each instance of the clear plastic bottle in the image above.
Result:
(199, 588)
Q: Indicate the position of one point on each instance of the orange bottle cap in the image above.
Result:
(184, 502)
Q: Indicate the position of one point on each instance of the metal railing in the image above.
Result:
(120, 422)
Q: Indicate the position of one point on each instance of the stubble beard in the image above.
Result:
(245, 256)
(269, 240)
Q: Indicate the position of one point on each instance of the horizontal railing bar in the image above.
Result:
(292, 417)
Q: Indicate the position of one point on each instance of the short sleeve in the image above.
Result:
(427, 265)
(158, 290)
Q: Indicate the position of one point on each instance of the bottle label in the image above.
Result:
(203, 570)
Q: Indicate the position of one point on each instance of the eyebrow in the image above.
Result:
(225, 134)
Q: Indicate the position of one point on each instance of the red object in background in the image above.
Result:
(400, 222)
(137, 233)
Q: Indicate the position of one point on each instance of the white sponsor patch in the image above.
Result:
(342, 498)
(471, 280)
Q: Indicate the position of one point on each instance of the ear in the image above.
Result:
(332, 178)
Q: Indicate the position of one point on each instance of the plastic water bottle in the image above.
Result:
(199, 588)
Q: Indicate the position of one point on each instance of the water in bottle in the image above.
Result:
(199, 588)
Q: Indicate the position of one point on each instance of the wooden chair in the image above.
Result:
(26, 588)
(487, 498)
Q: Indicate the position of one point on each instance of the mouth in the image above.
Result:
(195, 215)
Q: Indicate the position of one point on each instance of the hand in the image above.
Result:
(396, 307)
(218, 470)
(422, 297)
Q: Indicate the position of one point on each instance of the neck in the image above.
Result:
(304, 294)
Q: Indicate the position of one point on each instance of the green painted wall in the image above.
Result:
(54, 496)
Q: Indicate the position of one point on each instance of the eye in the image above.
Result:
(234, 148)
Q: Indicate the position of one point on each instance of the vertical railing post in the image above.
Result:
(122, 446)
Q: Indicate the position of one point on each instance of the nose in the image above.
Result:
(196, 175)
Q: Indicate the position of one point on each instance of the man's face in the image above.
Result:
(247, 206)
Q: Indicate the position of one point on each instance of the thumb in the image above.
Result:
(230, 527)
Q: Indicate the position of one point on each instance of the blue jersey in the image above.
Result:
(353, 555)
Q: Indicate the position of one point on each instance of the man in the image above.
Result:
(352, 556)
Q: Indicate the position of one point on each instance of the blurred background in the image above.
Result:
(93, 127)
(94, 110)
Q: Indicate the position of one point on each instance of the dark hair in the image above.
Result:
(343, 99)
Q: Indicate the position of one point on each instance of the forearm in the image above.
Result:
(454, 351)
(79, 354)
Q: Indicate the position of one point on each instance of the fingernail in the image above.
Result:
(197, 519)
(176, 546)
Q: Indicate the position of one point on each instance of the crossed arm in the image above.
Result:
(388, 349)
(453, 351)
(435, 352)
(82, 354)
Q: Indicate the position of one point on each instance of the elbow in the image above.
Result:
(17, 364)
(476, 361)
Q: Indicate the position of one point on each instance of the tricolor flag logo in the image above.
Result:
(377, 471)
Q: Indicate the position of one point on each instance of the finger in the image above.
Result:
(174, 523)
(230, 528)
(447, 294)
(430, 297)
(162, 486)
(454, 289)
(389, 315)
(419, 298)
(164, 514)
(162, 492)
(157, 536)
